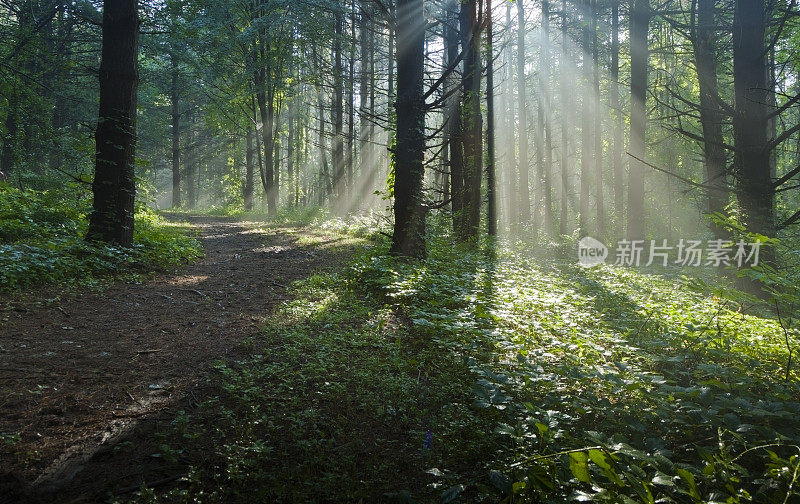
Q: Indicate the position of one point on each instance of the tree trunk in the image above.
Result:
(710, 112)
(390, 83)
(471, 123)
(338, 114)
(365, 169)
(114, 186)
(290, 153)
(176, 134)
(192, 166)
(409, 213)
(511, 208)
(600, 211)
(249, 171)
(640, 19)
(565, 110)
(276, 170)
(524, 162)
(351, 112)
(545, 172)
(265, 97)
(10, 137)
(455, 130)
(750, 121)
(491, 191)
(616, 111)
(587, 147)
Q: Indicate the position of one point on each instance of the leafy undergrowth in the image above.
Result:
(41, 242)
(477, 378)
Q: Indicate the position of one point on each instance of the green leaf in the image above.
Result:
(599, 458)
(579, 466)
(662, 479)
(689, 479)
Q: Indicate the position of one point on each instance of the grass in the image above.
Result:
(41, 243)
(488, 377)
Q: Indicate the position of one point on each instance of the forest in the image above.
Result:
(408, 251)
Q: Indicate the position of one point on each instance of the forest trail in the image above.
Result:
(84, 372)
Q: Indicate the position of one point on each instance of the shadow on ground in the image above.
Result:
(88, 378)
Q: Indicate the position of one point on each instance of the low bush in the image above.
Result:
(41, 242)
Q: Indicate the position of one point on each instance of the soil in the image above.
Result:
(87, 378)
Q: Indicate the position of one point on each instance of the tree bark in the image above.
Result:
(351, 112)
(114, 186)
(176, 133)
(563, 220)
(587, 146)
(408, 238)
(471, 123)
(640, 20)
(524, 161)
(616, 111)
(338, 114)
(545, 172)
(491, 189)
(249, 171)
(750, 121)
(600, 211)
(456, 142)
(711, 116)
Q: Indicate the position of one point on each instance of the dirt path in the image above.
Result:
(81, 374)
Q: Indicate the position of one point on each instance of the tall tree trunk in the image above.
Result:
(391, 77)
(471, 122)
(249, 171)
(265, 97)
(510, 173)
(276, 170)
(114, 186)
(600, 211)
(290, 153)
(710, 112)
(325, 186)
(640, 20)
(587, 147)
(338, 113)
(455, 133)
(750, 121)
(565, 110)
(491, 190)
(7, 153)
(351, 113)
(176, 133)
(366, 171)
(408, 238)
(524, 162)
(193, 165)
(616, 111)
(63, 48)
(545, 172)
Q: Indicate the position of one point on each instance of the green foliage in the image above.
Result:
(41, 242)
(491, 377)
